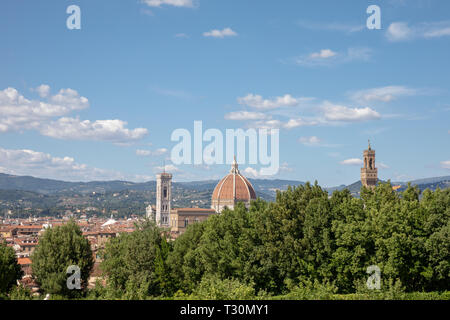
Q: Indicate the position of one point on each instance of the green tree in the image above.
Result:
(186, 268)
(214, 288)
(354, 245)
(20, 293)
(10, 271)
(59, 248)
(437, 245)
(135, 264)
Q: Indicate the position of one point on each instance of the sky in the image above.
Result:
(101, 102)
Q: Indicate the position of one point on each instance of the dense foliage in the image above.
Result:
(305, 241)
(135, 264)
(305, 245)
(10, 271)
(60, 247)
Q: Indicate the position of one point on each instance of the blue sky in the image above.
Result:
(101, 102)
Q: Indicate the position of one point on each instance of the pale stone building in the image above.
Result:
(150, 212)
(181, 218)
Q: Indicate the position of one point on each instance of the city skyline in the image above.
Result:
(100, 103)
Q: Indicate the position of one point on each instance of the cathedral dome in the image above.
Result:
(233, 188)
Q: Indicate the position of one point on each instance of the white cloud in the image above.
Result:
(299, 122)
(43, 90)
(157, 152)
(71, 99)
(167, 168)
(437, 33)
(285, 167)
(384, 94)
(44, 165)
(20, 113)
(335, 112)
(227, 32)
(245, 115)
(401, 31)
(323, 54)
(47, 117)
(175, 3)
(251, 172)
(278, 124)
(99, 130)
(327, 57)
(257, 101)
(445, 164)
(310, 141)
(278, 113)
(352, 162)
(266, 124)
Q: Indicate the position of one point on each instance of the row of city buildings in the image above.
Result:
(23, 236)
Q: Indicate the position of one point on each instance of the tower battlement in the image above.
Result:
(369, 173)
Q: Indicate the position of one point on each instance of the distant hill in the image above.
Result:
(265, 187)
(48, 186)
(429, 181)
(26, 195)
(422, 184)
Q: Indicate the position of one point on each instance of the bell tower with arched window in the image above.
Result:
(163, 198)
(369, 173)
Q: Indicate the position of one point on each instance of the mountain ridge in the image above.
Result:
(49, 186)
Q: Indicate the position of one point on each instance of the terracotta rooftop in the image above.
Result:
(24, 261)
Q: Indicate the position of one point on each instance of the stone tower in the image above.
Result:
(163, 198)
(369, 174)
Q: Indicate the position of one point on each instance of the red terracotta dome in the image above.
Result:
(233, 188)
